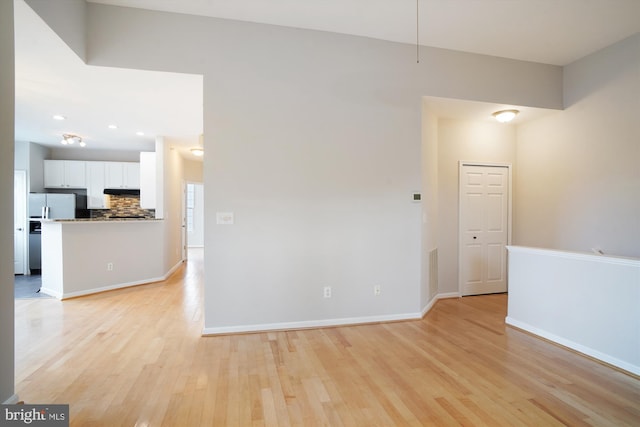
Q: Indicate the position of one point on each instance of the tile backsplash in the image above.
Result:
(123, 205)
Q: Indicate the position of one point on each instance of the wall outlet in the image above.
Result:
(327, 292)
(109, 266)
(377, 290)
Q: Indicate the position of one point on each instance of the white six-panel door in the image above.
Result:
(483, 229)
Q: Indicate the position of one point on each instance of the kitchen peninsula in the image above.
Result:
(86, 256)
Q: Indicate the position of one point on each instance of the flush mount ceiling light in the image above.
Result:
(70, 139)
(505, 116)
(197, 151)
(59, 117)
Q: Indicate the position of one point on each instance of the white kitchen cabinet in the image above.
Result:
(132, 175)
(122, 175)
(95, 185)
(64, 174)
(148, 180)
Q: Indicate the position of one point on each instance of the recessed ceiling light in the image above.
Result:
(59, 117)
(140, 133)
(197, 151)
(112, 127)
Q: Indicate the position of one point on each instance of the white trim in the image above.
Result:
(449, 295)
(574, 346)
(427, 308)
(327, 323)
(471, 163)
(436, 298)
(309, 324)
(12, 400)
(580, 256)
(51, 292)
(67, 295)
(509, 168)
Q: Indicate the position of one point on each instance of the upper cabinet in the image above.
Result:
(92, 176)
(122, 175)
(95, 186)
(64, 174)
(148, 180)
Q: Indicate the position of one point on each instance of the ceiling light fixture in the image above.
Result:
(140, 133)
(505, 116)
(112, 127)
(70, 139)
(197, 151)
(59, 117)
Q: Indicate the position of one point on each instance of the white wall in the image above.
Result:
(37, 155)
(192, 170)
(7, 114)
(578, 175)
(173, 205)
(583, 301)
(21, 156)
(314, 142)
(429, 287)
(461, 140)
(68, 153)
(67, 20)
(78, 253)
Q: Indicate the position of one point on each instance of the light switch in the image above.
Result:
(225, 218)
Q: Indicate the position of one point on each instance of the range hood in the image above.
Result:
(121, 192)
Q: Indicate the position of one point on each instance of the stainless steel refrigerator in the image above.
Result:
(52, 206)
(46, 206)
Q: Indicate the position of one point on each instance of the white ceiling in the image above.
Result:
(50, 79)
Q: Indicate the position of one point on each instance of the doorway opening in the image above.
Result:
(194, 215)
(20, 254)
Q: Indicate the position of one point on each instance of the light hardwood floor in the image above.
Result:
(135, 357)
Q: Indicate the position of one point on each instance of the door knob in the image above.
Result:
(474, 237)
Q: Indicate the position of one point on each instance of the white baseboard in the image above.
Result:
(309, 324)
(574, 346)
(12, 400)
(67, 295)
(431, 303)
(172, 269)
(449, 295)
(325, 323)
(51, 292)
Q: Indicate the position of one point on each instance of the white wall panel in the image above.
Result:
(583, 301)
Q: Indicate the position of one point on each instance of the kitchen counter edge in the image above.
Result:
(95, 220)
